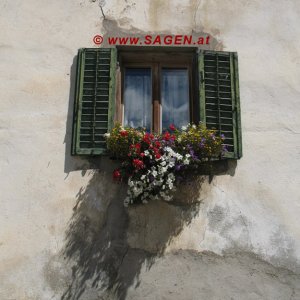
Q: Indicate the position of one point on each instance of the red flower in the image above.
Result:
(157, 144)
(138, 164)
(172, 127)
(142, 154)
(167, 136)
(137, 148)
(146, 138)
(124, 133)
(117, 174)
(157, 156)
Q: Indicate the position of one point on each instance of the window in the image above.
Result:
(153, 88)
(156, 88)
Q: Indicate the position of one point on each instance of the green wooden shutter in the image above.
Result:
(219, 97)
(94, 100)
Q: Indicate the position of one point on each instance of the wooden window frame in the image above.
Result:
(157, 59)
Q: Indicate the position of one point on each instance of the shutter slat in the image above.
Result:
(94, 100)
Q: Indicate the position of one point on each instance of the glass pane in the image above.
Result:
(138, 98)
(175, 97)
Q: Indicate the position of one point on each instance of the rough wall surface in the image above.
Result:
(64, 233)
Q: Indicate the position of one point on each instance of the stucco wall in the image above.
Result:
(63, 229)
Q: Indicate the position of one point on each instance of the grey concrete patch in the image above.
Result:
(230, 224)
(192, 275)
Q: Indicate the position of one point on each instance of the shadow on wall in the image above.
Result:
(74, 163)
(108, 245)
(105, 243)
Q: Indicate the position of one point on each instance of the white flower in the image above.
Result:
(186, 162)
(179, 156)
(164, 170)
(169, 180)
(162, 178)
(171, 176)
(126, 201)
(107, 135)
(167, 198)
(171, 164)
(163, 163)
(194, 126)
(183, 128)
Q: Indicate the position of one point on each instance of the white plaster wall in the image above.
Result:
(256, 210)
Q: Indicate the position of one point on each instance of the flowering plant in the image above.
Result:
(152, 163)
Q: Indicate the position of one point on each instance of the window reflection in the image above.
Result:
(138, 98)
(175, 97)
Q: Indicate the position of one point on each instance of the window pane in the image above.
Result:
(138, 98)
(175, 97)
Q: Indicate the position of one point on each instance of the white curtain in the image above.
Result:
(138, 98)
(175, 97)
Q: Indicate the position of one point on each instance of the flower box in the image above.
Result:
(153, 164)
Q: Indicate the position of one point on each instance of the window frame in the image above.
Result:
(157, 59)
